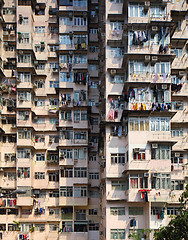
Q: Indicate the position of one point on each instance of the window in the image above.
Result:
(117, 234)
(39, 175)
(80, 135)
(177, 105)
(66, 191)
(24, 96)
(160, 181)
(138, 124)
(65, 59)
(80, 192)
(136, 211)
(66, 77)
(137, 10)
(41, 66)
(54, 84)
(177, 185)
(138, 67)
(177, 132)
(81, 214)
(94, 121)
(138, 181)
(80, 59)
(25, 227)
(65, 21)
(22, 115)
(94, 227)
(93, 212)
(80, 153)
(40, 157)
(118, 185)
(12, 227)
(53, 211)
(54, 120)
(10, 175)
(9, 11)
(24, 38)
(93, 158)
(40, 120)
(54, 227)
(25, 58)
(157, 11)
(80, 172)
(139, 154)
(40, 29)
(93, 30)
(22, 134)
(80, 3)
(23, 172)
(40, 227)
(177, 51)
(117, 158)
(24, 76)
(26, 211)
(80, 21)
(172, 211)
(117, 211)
(24, 153)
(160, 124)
(54, 176)
(39, 193)
(91, 102)
(83, 115)
(67, 226)
(161, 152)
(54, 194)
(65, 39)
(161, 68)
(67, 153)
(94, 176)
(176, 157)
(77, 115)
(67, 172)
(116, 52)
(40, 103)
(117, 79)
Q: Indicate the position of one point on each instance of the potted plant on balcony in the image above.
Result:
(18, 228)
(31, 229)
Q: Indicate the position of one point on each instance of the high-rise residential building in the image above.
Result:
(146, 114)
(49, 170)
(93, 117)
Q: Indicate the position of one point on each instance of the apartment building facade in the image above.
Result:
(49, 171)
(145, 126)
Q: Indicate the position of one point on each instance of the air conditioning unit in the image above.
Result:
(97, 104)
(147, 57)
(146, 4)
(26, 113)
(42, 229)
(70, 52)
(164, 86)
(36, 62)
(51, 99)
(71, 15)
(154, 174)
(35, 99)
(85, 149)
(3, 117)
(91, 144)
(181, 73)
(13, 125)
(43, 154)
(177, 154)
(154, 58)
(25, 129)
(112, 72)
(154, 28)
(6, 43)
(154, 145)
(21, 52)
(41, 81)
(28, 151)
(20, 98)
(136, 150)
(146, 174)
(103, 157)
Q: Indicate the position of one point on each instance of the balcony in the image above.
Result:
(144, 20)
(24, 123)
(180, 62)
(160, 17)
(24, 201)
(72, 28)
(134, 195)
(114, 62)
(114, 8)
(22, 65)
(28, 85)
(25, 46)
(159, 195)
(8, 183)
(25, 142)
(73, 236)
(115, 35)
(73, 8)
(148, 77)
(73, 142)
(161, 137)
(115, 195)
(161, 165)
(9, 18)
(66, 162)
(7, 164)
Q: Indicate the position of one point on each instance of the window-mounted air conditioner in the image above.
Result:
(164, 86)
(154, 28)
(146, 174)
(154, 58)
(177, 154)
(154, 145)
